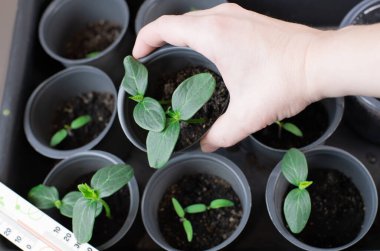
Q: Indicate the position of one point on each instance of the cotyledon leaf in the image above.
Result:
(150, 115)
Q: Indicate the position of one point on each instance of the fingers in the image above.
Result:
(166, 29)
(191, 29)
(225, 132)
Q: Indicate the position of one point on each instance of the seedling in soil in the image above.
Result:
(164, 127)
(290, 127)
(85, 205)
(297, 205)
(194, 209)
(61, 134)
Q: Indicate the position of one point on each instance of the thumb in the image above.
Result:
(227, 130)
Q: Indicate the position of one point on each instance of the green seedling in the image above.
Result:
(290, 127)
(61, 134)
(85, 205)
(92, 54)
(164, 127)
(297, 205)
(195, 209)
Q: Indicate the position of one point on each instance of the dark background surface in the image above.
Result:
(21, 167)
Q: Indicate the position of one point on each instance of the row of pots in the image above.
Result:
(63, 18)
(81, 79)
(60, 17)
(213, 164)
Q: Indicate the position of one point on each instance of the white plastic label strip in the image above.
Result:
(31, 229)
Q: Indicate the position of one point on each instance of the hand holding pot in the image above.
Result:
(272, 69)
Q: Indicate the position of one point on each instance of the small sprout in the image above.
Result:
(164, 128)
(6, 112)
(185, 222)
(290, 127)
(92, 54)
(85, 205)
(195, 209)
(220, 203)
(61, 134)
(297, 205)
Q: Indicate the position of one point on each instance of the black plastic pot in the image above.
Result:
(363, 113)
(192, 163)
(62, 19)
(165, 61)
(330, 158)
(87, 163)
(62, 86)
(334, 108)
(150, 10)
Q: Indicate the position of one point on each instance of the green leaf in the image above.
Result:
(178, 208)
(219, 203)
(196, 208)
(108, 180)
(135, 80)
(294, 166)
(304, 184)
(150, 115)
(80, 121)
(88, 192)
(192, 94)
(43, 197)
(58, 137)
(292, 128)
(188, 229)
(297, 208)
(92, 54)
(160, 145)
(83, 219)
(68, 203)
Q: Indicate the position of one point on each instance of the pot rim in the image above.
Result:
(56, 153)
(132, 187)
(275, 176)
(172, 165)
(54, 7)
(333, 125)
(122, 96)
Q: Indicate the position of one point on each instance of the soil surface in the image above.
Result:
(95, 37)
(104, 228)
(211, 227)
(98, 105)
(369, 18)
(313, 122)
(337, 211)
(190, 133)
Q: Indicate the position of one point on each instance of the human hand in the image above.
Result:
(262, 61)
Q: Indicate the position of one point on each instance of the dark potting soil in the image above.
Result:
(190, 133)
(371, 17)
(104, 228)
(211, 227)
(95, 37)
(313, 122)
(98, 105)
(337, 210)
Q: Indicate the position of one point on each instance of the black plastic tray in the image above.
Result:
(21, 167)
